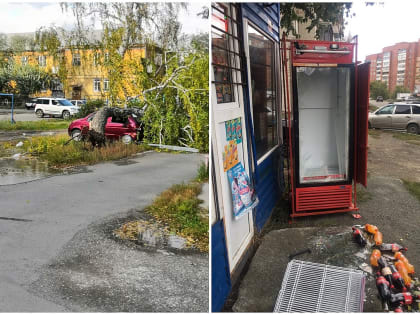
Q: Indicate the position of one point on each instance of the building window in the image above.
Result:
(106, 85)
(56, 85)
(76, 60)
(42, 61)
(106, 57)
(96, 85)
(24, 60)
(220, 34)
(263, 87)
(96, 59)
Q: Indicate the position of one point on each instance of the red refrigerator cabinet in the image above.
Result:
(329, 134)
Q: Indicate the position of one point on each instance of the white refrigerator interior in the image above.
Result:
(323, 95)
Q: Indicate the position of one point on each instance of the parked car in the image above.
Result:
(128, 131)
(396, 116)
(55, 107)
(379, 99)
(31, 103)
(78, 103)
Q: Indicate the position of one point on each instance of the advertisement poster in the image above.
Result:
(234, 130)
(244, 197)
(230, 155)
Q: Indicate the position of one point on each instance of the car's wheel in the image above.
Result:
(126, 139)
(39, 113)
(65, 114)
(413, 128)
(76, 134)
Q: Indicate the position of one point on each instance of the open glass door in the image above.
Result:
(323, 119)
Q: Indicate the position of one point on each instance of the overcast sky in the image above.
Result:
(28, 17)
(384, 24)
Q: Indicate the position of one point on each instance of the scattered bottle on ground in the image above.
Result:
(378, 238)
(374, 257)
(383, 287)
(401, 299)
(392, 247)
(403, 272)
(358, 237)
(397, 279)
(371, 228)
(398, 309)
(408, 266)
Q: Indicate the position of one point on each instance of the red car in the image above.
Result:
(128, 131)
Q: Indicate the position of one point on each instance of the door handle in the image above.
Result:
(388, 116)
(407, 116)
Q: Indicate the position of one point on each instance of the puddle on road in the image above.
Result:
(20, 170)
(150, 234)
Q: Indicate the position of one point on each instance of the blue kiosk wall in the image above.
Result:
(266, 175)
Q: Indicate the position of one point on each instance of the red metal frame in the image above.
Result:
(324, 199)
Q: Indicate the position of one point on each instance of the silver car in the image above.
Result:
(397, 116)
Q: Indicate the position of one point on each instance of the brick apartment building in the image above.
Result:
(397, 65)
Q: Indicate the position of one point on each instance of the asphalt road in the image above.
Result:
(20, 115)
(53, 220)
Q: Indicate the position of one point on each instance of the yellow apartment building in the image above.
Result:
(84, 74)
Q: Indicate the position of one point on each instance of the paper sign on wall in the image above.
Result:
(230, 155)
(234, 130)
(243, 194)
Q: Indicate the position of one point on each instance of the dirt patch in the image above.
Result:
(393, 157)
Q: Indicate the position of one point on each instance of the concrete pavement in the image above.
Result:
(39, 218)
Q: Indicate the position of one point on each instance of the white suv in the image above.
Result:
(54, 107)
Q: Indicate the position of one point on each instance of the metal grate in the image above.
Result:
(323, 197)
(311, 287)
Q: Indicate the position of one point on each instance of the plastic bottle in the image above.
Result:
(383, 287)
(378, 238)
(398, 310)
(400, 256)
(401, 299)
(376, 254)
(397, 280)
(403, 272)
(387, 273)
(392, 247)
(371, 228)
(358, 237)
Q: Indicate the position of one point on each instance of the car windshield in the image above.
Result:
(65, 103)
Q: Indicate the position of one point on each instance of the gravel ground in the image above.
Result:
(95, 272)
(387, 204)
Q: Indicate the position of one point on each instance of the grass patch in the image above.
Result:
(54, 150)
(179, 209)
(407, 137)
(375, 133)
(413, 188)
(202, 173)
(34, 125)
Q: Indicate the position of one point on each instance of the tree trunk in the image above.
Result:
(96, 133)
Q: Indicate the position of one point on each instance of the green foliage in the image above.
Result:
(399, 89)
(23, 79)
(20, 43)
(315, 13)
(90, 107)
(379, 88)
(34, 125)
(178, 112)
(179, 208)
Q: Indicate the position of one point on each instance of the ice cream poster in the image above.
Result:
(244, 197)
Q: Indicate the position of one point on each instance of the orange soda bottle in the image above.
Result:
(371, 228)
(408, 266)
(376, 254)
(378, 238)
(403, 272)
